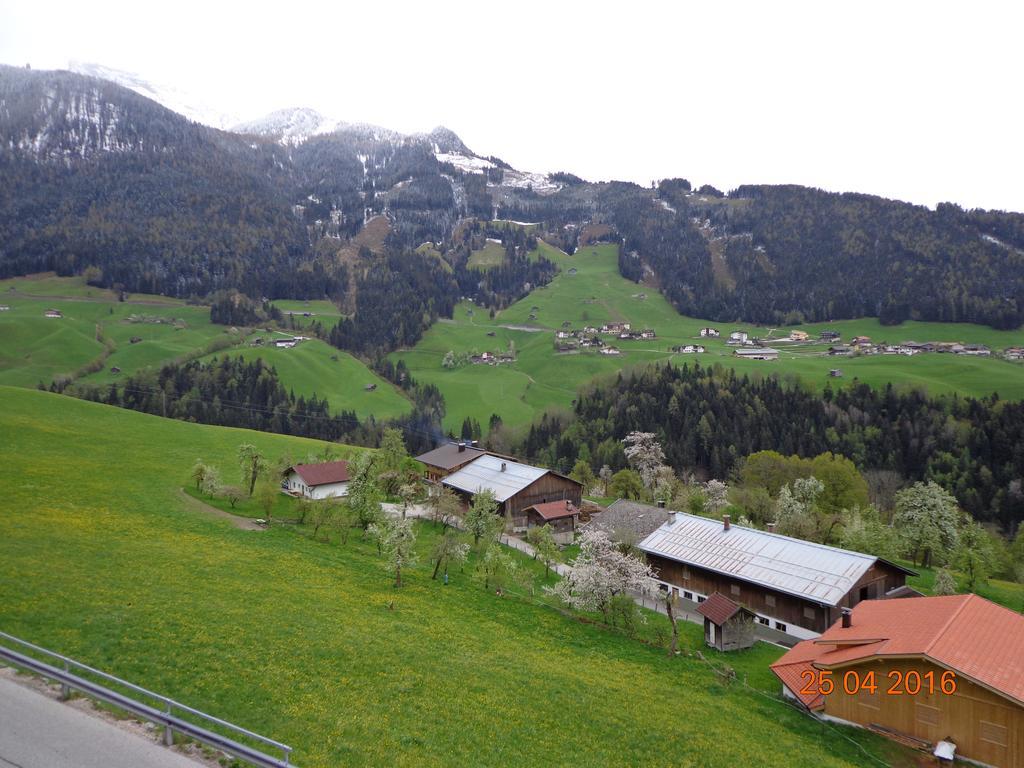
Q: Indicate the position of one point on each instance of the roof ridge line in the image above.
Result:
(949, 621)
(815, 544)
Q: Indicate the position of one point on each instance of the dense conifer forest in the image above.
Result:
(709, 418)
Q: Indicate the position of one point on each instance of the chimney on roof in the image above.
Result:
(771, 527)
(462, 447)
(847, 618)
(504, 466)
(725, 522)
(671, 518)
(661, 504)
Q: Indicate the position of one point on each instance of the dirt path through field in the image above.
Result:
(244, 523)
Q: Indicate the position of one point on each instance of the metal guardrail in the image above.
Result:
(162, 715)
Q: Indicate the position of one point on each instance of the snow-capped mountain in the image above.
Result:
(288, 126)
(173, 98)
(102, 129)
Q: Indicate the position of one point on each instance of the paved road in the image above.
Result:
(39, 732)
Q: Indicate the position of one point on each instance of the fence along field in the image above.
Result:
(309, 643)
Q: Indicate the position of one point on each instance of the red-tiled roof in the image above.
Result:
(553, 510)
(719, 608)
(322, 474)
(966, 633)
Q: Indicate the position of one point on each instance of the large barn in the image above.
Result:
(796, 587)
(945, 673)
(515, 486)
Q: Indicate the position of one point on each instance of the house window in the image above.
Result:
(780, 626)
(688, 595)
(808, 612)
(865, 593)
(993, 733)
(735, 589)
(762, 620)
(927, 715)
(701, 598)
(686, 572)
(769, 600)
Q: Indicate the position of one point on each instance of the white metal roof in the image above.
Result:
(811, 571)
(485, 473)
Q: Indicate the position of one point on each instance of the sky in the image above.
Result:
(918, 101)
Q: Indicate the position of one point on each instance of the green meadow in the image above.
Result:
(315, 367)
(151, 331)
(589, 291)
(322, 311)
(34, 348)
(102, 557)
(491, 255)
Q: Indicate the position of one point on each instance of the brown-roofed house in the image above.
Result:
(727, 625)
(559, 516)
(448, 458)
(317, 481)
(945, 669)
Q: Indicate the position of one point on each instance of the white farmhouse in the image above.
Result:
(317, 481)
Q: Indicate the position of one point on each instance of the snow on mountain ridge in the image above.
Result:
(289, 126)
(169, 96)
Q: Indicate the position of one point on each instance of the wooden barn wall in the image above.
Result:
(787, 608)
(984, 726)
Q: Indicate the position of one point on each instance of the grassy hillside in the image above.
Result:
(491, 255)
(102, 558)
(315, 367)
(589, 290)
(35, 349)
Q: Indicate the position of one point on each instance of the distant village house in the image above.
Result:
(757, 353)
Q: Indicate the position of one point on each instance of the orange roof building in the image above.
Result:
(923, 670)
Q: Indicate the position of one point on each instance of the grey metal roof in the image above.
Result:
(811, 571)
(628, 520)
(485, 473)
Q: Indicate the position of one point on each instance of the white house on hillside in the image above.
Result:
(317, 481)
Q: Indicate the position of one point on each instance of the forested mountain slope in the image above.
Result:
(97, 177)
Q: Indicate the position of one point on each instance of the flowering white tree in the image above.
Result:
(644, 454)
(600, 573)
(926, 517)
(794, 509)
(397, 542)
(715, 496)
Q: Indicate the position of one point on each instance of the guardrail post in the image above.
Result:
(65, 691)
(168, 732)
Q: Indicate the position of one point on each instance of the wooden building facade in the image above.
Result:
(922, 670)
(515, 486)
(792, 586)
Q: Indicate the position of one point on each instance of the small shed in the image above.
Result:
(727, 626)
(559, 516)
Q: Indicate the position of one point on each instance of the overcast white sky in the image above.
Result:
(917, 101)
